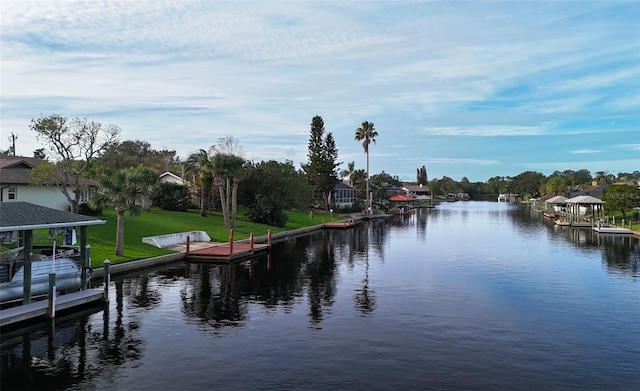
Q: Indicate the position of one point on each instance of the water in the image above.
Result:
(472, 295)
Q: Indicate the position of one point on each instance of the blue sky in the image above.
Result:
(466, 88)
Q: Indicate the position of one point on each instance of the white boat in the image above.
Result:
(502, 198)
(68, 278)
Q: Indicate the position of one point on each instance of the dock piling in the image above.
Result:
(230, 241)
(107, 280)
(51, 310)
(188, 243)
(251, 241)
(269, 238)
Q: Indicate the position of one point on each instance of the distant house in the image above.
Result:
(169, 177)
(15, 172)
(420, 192)
(343, 196)
(593, 190)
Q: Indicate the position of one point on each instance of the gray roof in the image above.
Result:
(584, 199)
(20, 216)
(557, 200)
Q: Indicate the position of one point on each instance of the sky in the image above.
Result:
(473, 89)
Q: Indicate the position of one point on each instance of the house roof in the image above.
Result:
(584, 199)
(21, 216)
(16, 170)
(557, 200)
(416, 188)
(401, 198)
(342, 186)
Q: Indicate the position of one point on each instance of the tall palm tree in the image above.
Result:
(229, 171)
(367, 134)
(120, 190)
(201, 167)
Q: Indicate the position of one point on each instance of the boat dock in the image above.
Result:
(342, 224)
(226, 252)
(40, 308)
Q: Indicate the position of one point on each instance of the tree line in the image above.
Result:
(79, 153)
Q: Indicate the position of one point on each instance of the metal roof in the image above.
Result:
(23, 216)
(584, 199)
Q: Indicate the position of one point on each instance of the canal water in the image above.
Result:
(468, 296)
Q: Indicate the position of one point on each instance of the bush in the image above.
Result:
(268, 211)
(171, 196)
(85, 209)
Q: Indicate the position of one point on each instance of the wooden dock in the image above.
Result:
(226, 252)
(342, 224)
(39, 309)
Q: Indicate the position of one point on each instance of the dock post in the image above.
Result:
(269, 238)
(86, 267)
(107, 280)
(51, 311)
(251, 241)
(188, 243)
(230, 241)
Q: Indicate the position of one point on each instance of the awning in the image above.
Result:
(402, 198)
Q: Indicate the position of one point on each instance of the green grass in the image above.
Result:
(158, 222)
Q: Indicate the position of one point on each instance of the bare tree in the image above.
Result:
(73, 145)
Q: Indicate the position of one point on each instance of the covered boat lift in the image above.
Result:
(25, 217)
(591, 206)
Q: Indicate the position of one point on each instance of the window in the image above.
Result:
(11, 193)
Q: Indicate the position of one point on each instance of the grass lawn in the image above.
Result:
(158, 222)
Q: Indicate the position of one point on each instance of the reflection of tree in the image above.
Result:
(215, 297)
(141, 295)
(365, 298)
(320, 271)
(621, 253)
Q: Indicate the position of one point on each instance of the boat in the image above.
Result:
(68, 278)
(502, 197)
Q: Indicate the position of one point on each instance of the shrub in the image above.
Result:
(171, 196)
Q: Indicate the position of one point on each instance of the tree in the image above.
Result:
(272, 187)
(349, 172)
(421, 176)
(147, 181)
(229, 170)
(527, 182)
(40, 154)
(322, 167)
(73, 145)
(555, 186)
(200, 167)
(120, 190)
(367, 134)
(171, 196)
(603, 177)
(622, 198)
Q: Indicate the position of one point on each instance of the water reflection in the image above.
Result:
(72, 349)
(620, 253)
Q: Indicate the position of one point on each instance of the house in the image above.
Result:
(593, 190)
(419, 192)
(343, 195)
(15, 175)
(169, 177)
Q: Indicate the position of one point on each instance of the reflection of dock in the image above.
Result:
(343, 224)
(40, 308)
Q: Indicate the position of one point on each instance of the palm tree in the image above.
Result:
(603, 177)
(200, 166)
(367, 134)
(229, 170)
(348, 172)
(148, 179)
(120, 190)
